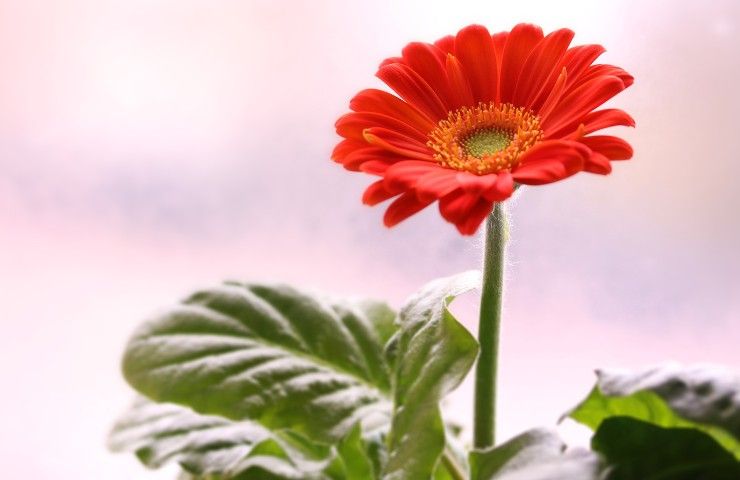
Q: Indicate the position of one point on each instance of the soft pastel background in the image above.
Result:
(150, 147)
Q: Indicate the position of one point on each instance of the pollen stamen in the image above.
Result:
(484, 139)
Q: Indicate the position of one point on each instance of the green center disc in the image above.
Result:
(486, 142)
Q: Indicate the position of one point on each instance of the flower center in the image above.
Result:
(484, 139)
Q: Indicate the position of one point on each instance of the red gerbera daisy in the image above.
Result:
(478, 114)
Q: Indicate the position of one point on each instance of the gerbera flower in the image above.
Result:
(478, 114)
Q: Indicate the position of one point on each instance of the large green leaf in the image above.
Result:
(271, 354)
(213, 447)
(702, 397)
(432, 353)
(537, 454)
(640, 450)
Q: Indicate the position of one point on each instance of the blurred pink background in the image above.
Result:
(151, 147)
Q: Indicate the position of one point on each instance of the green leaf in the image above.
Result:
(290, 361)
(520, 450)
(183, 475)
(534, 455)
(274, 460)
(704, 398)
(272, 354)
(433, 353)
(214, 447)
(162, 433)
(354, 455)
(640, 450)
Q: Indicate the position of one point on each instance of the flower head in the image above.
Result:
(477, 114)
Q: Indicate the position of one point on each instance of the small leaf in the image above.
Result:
(272, 354)
(640, 450)
(433, 353)
(534, 455)
(704, 398)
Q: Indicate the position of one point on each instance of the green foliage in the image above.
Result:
(703, 398)
(636, 449)
(260, 382)
(434, 353)
(664, 423)
(255, 381)
(534, 455)
(354, 455)
(271, 354)
(158, 433)
(214, 447)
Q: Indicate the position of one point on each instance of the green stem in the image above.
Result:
(484, 433)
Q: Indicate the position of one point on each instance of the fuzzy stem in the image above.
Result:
(484, 420)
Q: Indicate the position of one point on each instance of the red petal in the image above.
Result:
(520, 43)
(429, 62)
(597, 163)
(475, 217)
(355, 159)
(402, 208)
(405, 174)
(493, 187)
(465, 210)
(352, 125)
(376, 193)
(446, 44)
(613, 148)
(499, 43)
(390, 61)
(476, 184)
(436, 184)
(539, 72)
(577, 59)
(372, 100)
(555, 95)
(377, 166)
(412, 88)
(346, 126)
(608, 117)
(345, 147)
(474, 49)
(397, 143)
(581, 101)
(550, 161)
(503, 188)
(460, 90)
(595, 71)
